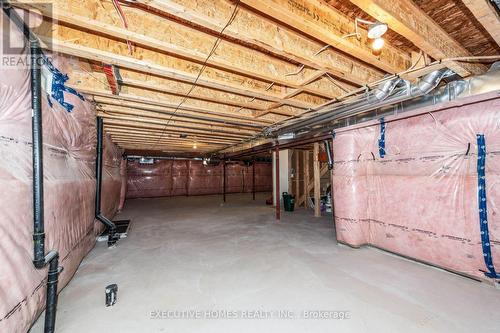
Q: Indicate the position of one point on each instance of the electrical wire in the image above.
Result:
(204, 65)
(124, 22)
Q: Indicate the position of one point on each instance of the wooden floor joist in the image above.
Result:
(229, 57)
(487, 16)
(315, 18)
(219, 72)
(262, 34)
(404, 17)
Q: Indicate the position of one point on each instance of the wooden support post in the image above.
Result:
(253, 179)
(277, 173)
(306, 179)
(317, 181)
(224, 180)
(297, 174)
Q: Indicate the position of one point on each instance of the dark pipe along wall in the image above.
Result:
(40, 260)
(112, 236)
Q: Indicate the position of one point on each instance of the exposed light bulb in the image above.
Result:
(195, 146)
(378, 44)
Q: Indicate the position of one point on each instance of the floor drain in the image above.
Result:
(122, 227)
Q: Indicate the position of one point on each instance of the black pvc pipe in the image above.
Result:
(40, 260)
(112, 236)
(37, 155)
(51, 300)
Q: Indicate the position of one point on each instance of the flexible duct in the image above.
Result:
(329, 154)
(403, 97)
(393, 91)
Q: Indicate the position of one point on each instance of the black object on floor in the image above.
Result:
(111, 294)
(121, 230)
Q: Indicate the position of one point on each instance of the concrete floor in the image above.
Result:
(197, 254)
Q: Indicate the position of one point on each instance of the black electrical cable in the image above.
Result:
(204, 65)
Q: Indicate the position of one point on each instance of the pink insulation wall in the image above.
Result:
(190, 177)
(69, 181)
(421, 199)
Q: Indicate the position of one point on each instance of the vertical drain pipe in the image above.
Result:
(40, 260)
(52, 258)
(112, 235)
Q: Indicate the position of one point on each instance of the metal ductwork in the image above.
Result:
(391, 97)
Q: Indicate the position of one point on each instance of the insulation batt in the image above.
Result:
(167, 178)
(69, 184)
(421, 199)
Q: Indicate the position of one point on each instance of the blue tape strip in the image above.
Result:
(483, 209)
(381, 140)
(58, 86)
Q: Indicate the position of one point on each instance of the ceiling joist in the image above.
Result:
(404, 17)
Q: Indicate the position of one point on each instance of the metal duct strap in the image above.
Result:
(381, 140)
(483, 209)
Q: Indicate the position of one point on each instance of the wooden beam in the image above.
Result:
(321, 21)
(408, 20)
(106, 102)
(262, 34)
(128, 126)
(313, 77)
(131, 134)
(163, 138)
(176, 123)
(317, 182)
(133, 123)
(124, 99)
(153, 143)
(261, 66)
(230, 57)
(484, 12)
(139, 65)
(146, 86)
(173, 116)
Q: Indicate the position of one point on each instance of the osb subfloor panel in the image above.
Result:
(196, 254)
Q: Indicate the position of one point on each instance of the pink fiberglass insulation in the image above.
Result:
(421, 199)
(69, 182)
(190, 177)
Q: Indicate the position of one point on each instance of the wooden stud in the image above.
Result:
(317, 182)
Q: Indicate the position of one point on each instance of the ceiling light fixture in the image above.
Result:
(375, 31)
